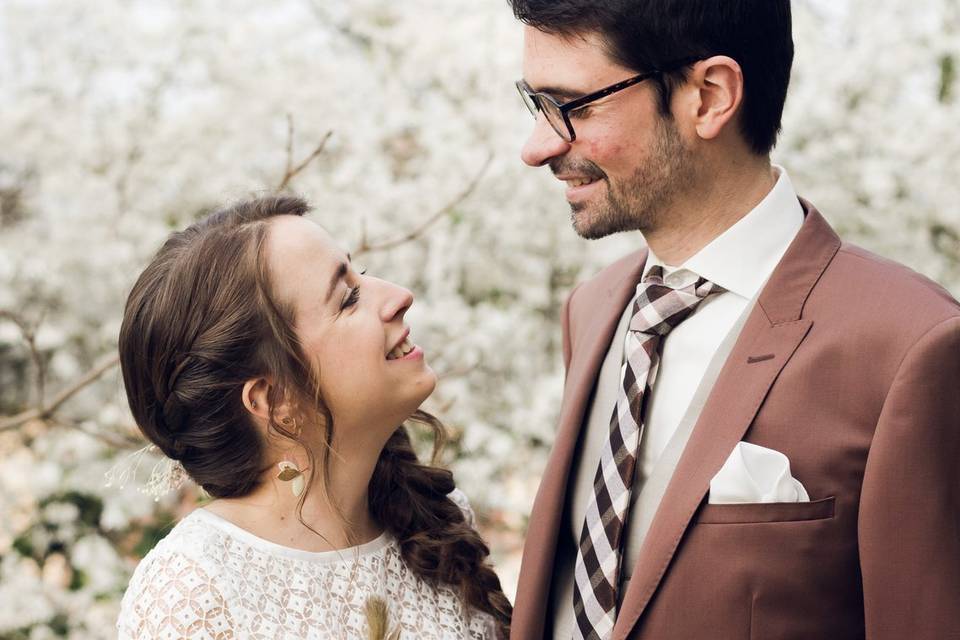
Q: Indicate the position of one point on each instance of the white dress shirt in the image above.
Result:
(740, 260)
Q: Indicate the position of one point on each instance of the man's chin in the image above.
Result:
(589, 225)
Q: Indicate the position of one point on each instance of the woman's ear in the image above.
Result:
(254, 396)
(719, 84)
(256, 399)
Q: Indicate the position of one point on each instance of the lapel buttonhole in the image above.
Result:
(754, 359)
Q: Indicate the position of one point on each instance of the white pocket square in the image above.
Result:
(755, 474)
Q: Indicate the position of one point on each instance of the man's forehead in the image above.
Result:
(573, 62)
(544, 43)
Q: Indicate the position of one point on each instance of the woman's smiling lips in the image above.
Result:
(405, 349)
(416, 353)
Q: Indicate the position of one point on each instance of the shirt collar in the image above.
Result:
(742, 258)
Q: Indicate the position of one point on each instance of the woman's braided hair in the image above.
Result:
(201, 321)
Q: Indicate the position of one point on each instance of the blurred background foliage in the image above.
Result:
(124, 119)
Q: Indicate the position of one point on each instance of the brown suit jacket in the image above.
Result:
(850, 365)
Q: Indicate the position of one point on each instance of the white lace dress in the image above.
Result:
(208, 578)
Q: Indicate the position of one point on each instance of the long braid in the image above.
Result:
(411, 500)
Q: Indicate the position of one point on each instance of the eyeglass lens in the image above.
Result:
(537, 103)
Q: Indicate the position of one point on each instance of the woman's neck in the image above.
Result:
(337, 520)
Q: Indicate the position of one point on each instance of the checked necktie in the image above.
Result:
(658, 309)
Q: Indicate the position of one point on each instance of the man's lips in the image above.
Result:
(577, 181)
(579, 188)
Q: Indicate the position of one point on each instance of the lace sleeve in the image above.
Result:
(174, 596)
(461, 500)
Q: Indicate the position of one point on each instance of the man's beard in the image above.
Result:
(640, 202)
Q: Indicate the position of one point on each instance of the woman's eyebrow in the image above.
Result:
(338, 275)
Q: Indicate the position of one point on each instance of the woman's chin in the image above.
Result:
(430, 381)
(421, 389)
(392, 404)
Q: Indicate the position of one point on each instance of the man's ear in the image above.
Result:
(254, 396)
(717, 83)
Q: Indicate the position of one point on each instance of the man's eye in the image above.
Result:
(581, 113)
(352, 298)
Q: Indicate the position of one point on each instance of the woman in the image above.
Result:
(256, 355)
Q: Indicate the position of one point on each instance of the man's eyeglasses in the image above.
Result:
(558, 114)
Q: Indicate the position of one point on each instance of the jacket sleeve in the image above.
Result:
(909, 518)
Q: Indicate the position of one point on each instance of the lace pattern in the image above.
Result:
(210, 579)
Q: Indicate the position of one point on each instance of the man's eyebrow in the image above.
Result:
(562, 94)
(338, 275)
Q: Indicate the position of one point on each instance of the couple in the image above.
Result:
(760, 428)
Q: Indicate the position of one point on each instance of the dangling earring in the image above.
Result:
(286, 421)
(290, 472)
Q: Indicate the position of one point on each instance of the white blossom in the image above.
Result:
(125, 119)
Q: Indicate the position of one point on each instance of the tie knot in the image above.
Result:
(659, 308)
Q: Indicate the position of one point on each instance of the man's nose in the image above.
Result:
(543, 144)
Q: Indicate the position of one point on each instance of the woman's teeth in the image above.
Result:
(401, 349)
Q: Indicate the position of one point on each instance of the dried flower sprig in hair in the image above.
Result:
(166, 476)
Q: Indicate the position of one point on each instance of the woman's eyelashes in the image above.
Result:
(353, 295)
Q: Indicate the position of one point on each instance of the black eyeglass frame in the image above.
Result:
(533, 98)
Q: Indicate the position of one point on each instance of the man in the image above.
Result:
(760, 430)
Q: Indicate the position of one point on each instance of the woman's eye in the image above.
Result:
(352, 298)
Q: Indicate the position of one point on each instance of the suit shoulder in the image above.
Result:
(893, 282)
(877, 305)
(611, 275)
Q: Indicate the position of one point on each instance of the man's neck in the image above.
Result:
(718, 202)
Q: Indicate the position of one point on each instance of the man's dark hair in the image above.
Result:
(650, 34)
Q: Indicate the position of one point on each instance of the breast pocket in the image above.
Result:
(766, 512)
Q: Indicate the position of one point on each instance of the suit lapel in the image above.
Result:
(590, 344)
(769, 338)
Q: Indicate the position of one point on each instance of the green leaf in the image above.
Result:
(23, 545)
(79, 580)
(288, 474)
(948, 77)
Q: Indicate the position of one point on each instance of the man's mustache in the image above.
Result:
(585, 168)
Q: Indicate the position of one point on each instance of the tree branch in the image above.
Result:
(289, 168)
(29, 332)
(44, 412)
(416, 232)
(291, 171)
(363, 41)
(458, 372)
(115, 440)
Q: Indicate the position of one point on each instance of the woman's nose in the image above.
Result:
(397, 301)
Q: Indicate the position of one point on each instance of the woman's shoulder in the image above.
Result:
(189, 541)
(190, 549)
(181, 573)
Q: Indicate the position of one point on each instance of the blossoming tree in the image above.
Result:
(123, 120)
